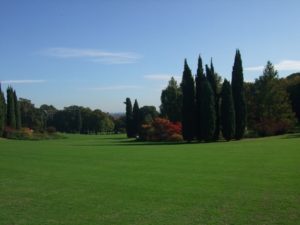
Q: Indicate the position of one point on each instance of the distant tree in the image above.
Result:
(78, 120)
(11, 114)
(227, 112)
(199, 107)
(292, 85)
(171, 101)
(48, 111)
(120, 124)
(237, 82)
(188, 104)
(2, 111)
(32, 117)
(273, 113)
(107, 123)
(88, 119)
(136, 118)
(129, 118)
(17, 111)
(209, 114)
(148, 114)
(213, 80)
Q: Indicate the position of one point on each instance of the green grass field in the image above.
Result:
(87, 180)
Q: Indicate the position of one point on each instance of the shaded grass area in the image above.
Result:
(113, 180)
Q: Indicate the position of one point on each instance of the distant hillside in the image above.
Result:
(293, 75)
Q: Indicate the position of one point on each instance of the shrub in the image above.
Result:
(28, 134)
(176, 138)
(51, 130)
(267, 127)
(161, 130)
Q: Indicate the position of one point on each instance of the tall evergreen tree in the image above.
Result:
(212, 79)
(11, 114)
(188, 103)
(208, 115)
(273, 110)
(136, 118)
(237, 81)
(17, 111)
(171, 101)
(227, 112)
(129, 118)
(200, 79)
(2, 112)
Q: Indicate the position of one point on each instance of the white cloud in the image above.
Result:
(288, 65)
(283, 65)
(161, 77)
(22, 81)
(113, 88)
(94, 55)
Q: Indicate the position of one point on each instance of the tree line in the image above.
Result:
(209, 109)
(17, 113)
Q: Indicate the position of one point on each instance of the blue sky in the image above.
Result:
(97, 53)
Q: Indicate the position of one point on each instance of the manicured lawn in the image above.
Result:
(87, 180)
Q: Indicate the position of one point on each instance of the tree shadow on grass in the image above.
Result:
(290, 136)
(133, 142)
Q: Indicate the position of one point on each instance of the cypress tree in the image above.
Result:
(212, 79)
(209, 115)
(11, 114)
(2, 112)
(188, 103)
(238, 94)
(136, 118)
(227, 112)
(200, 78)
(17, 111)
(129, 118)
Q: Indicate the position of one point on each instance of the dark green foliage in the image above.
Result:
(120, 125)
(208, 117)
(2, 111)
(11, 114)
(69, 120)
(136, 118)
(250, 96)
(227, 112)
(17, 111)
(213, 80)
(129, 119)
(188, 103)
(75, 119)
(273, 111)
(237, 81)
(293, 89)
(31, 117)
(78, 120)
(171, 101)
(200, 79)
(48, 112)
(148, 114)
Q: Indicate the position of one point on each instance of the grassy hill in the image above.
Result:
(112, 180)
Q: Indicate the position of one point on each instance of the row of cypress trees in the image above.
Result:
(132, 118)
(9, 112)
(205, 111)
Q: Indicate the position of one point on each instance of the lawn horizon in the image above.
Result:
(109, 179)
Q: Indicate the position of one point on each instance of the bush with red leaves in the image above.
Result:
(161, 130)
